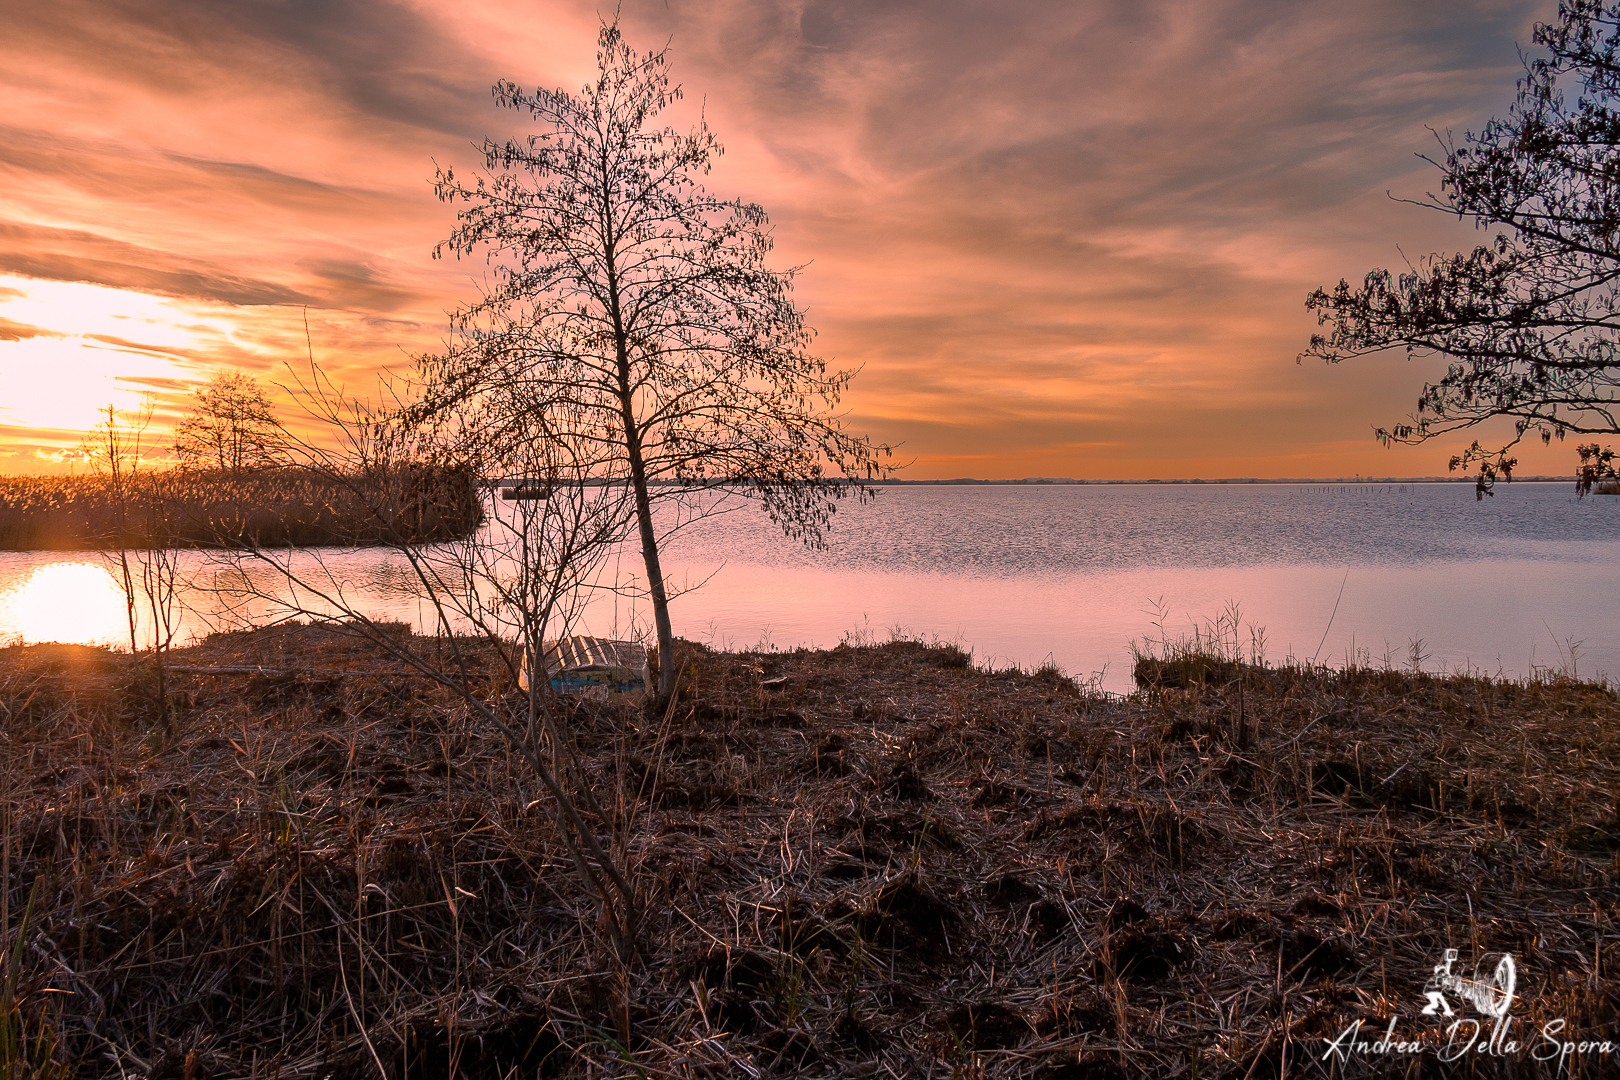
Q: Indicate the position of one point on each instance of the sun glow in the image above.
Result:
(69, 349)
(75, 603)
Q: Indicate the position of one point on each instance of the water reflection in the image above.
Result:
(71, 601)
(77, 598)
(1497, 616)
(1021, 575)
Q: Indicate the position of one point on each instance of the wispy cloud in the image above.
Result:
(1057, 239)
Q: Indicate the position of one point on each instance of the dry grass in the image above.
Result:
(275, 508)
(873, 861)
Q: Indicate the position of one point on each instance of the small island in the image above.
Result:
(217, 508)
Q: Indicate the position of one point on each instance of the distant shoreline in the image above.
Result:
(1065, 481)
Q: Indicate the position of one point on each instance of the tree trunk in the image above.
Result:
(655, 576)
(649, 538)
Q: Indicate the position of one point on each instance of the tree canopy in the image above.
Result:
(638, 311)
(1530, 320)
(231, 426)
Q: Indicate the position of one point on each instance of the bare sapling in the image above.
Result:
(137, 544)
(518, 583)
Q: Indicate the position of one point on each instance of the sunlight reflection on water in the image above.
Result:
(73, 601)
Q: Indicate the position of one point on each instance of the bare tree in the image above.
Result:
(232, 426)
(144, 510)
(629, 298)
(507, 591)
(1531, 320)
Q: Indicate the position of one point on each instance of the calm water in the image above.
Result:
(1070, 574)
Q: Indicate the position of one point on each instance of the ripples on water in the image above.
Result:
(1072, 573)
(1013, 531)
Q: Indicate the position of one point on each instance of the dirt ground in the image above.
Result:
(875, 861)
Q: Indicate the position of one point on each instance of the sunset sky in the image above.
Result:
(1058, 239)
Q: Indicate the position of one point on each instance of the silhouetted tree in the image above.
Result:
(232, 426)
(1530, 320)
(626, 295)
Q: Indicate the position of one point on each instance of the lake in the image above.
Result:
(1067, 574)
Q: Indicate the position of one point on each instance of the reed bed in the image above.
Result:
(272, 508)
(871, 861)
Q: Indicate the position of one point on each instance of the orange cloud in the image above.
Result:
(1057, 239)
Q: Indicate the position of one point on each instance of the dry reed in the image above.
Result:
(272, 508)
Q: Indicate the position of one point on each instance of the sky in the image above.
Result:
(1056, 238)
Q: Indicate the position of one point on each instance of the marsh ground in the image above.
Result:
(876, 860)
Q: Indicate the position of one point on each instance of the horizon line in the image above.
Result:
(1057, 481)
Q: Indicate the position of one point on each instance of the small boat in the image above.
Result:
(526, 489)
(617, 669)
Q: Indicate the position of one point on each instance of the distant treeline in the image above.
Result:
(267, 508)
